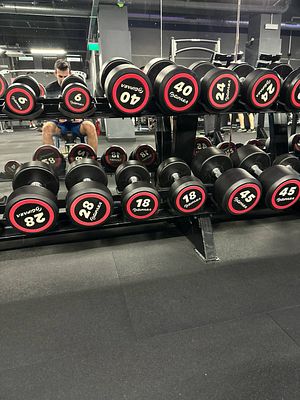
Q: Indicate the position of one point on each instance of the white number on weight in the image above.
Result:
(247, 196)
(22, 100)
(126, 97)
(189, 196)
(81, 154)
(49, 160)
(144, 153)
(86, 210)
(182, 87)
(114, 155)
(270, 90)
(37, 218)
(78, 97)
(143, 203)
(221, 91)
(288, 191)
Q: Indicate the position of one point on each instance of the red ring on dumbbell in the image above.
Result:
(194, 99)
(148, 194)
(16, 110)
(185, 211)
(145, 101)
(243, 187)
(265, 77)
(72, 108)
(288, 182)
(293, 99)
(89, 195)
(31, 201)
(234, 97)
(42, 90)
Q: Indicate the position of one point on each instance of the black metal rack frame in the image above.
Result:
(178, 141)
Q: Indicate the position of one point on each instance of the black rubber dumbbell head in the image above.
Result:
(89, 202)
(81, 151)
(170, 166)
(32, 207)
(128, 169)
(3, 85)
(261, 88)
(154, 66)
(113, 157)
(20, 97)
(85, 169)
(187, 194)
(128, 89)
(219, 87)
(206, 161)
(249, 155)
(290, 91)
(283, 70)
(288, 160)
(50, 155)
(110, 65)
(36, 171)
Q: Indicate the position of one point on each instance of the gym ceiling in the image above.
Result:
(66, 23)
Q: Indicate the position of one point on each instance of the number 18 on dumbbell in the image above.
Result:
(140, 200)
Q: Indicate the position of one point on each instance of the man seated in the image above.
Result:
(78, 127)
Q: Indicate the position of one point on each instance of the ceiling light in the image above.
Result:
(58, 52)
(14, 53)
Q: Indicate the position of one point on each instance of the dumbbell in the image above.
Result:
(140, 200)
(10, 168)
(260, 143)
(294, 143)
(278, 181)
(187, 193)
(80, 151)
(289, 160)
(290, 89)
(201, 142)
(21, 96)
(282, 69)
(3, 85)
(76, 96)
(32, 206)
(227, 147)
(235, 190)
(230, 147)
(89, 202)
(146, 154)
(113, 157)
(219, 87)
(42, 90)
(176, 88)
(260, 87)
(126, 87)
(50, 155)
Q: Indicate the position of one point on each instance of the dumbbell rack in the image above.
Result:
(179, 142)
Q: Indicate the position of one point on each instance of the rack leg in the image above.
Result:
(200, 232)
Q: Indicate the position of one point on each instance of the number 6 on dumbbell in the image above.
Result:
(140, 200)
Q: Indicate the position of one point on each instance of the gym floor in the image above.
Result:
(141, 316)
